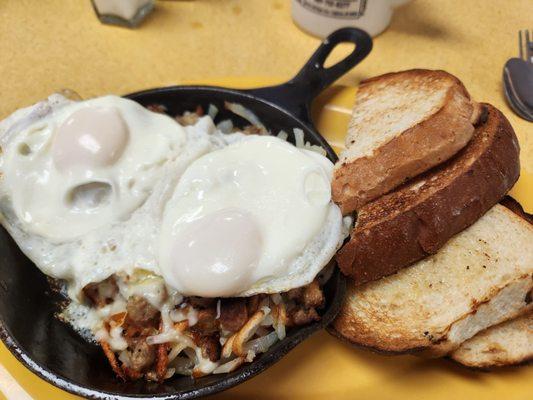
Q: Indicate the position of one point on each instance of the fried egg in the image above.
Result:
(84, 182)
(253, 217)
(104, 186)
(86, 164)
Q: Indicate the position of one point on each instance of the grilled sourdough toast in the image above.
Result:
(402, 124)
(481, 277)
(417, 219)
(509, 343)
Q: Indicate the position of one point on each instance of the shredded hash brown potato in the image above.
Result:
(195, 336)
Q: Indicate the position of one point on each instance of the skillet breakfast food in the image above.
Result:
(187, 248)
(182, 249)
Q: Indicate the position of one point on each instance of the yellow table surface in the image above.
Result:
(54, 44)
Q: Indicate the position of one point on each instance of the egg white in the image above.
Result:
(131, 240)
(121, 244)
(287, 228)
(59, 202)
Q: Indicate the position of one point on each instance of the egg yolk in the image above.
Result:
(216, 255)
(90, 137)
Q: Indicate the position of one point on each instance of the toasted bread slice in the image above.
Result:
(402, 124)
(509, 343)
(481, 277)
(418, 218)
(506, 344)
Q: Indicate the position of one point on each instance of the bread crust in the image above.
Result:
(428, 143)
(496, 366)
(417, 219)
(516, 207)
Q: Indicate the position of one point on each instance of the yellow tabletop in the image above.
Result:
(54, 44)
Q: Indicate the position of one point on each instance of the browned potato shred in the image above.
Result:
(247, 332)
(162, 358)
(112, 359)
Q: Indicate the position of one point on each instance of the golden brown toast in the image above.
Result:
(481, 277)
(402, 124)
(418, 218)
(505, 344)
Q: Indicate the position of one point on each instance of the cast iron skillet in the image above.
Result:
(52, 350)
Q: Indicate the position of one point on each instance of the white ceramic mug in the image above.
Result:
(321, 17)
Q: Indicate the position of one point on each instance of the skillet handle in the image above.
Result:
(297, 94)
